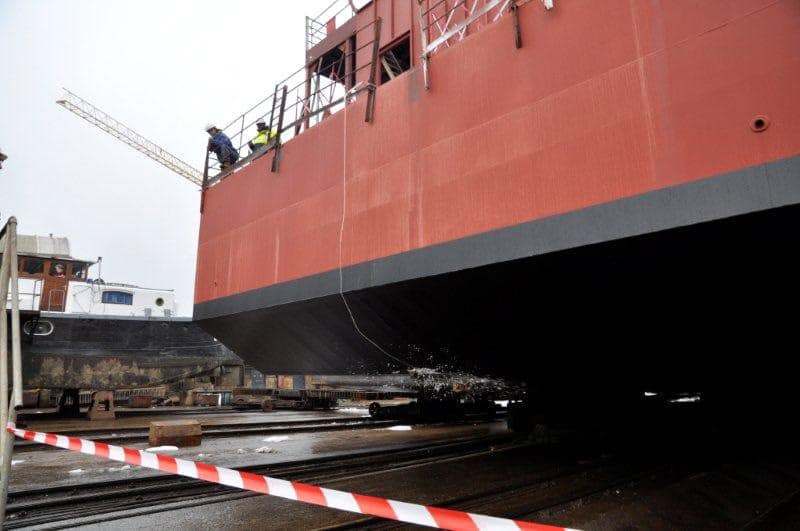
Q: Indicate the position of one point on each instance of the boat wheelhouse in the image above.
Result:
(52, 280)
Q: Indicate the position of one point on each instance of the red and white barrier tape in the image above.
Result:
(292, 490)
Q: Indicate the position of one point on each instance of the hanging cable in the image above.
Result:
(341, 239)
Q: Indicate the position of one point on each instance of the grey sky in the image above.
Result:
(164, 68)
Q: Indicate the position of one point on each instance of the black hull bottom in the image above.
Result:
(677, 309)
(111, 353)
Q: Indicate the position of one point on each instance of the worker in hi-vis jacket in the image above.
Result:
(263, 138)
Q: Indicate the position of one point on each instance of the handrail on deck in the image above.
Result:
(303, 99)
(316, 90)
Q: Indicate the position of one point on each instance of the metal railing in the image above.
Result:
(445, 22)
(8, 409)
(310, 94)
(337, 12)
(304, 99)
(121, 396)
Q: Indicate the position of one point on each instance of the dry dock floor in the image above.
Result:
(677, 478)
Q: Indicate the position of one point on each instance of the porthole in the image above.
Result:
(43, 328)
(759, 123)
(159, 302)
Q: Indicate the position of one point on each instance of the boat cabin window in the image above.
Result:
(31, 266)
(58, 269)
(117, 297)
(396, 60)
(78, 271)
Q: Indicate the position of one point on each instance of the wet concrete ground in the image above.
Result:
(674, 478)
(61, 467)
(690, 487)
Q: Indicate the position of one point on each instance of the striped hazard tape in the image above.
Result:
(292, 490)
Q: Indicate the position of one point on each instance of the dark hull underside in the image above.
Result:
(111, 353)
(688, 288)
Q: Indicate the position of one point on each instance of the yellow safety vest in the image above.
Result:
(261, 137)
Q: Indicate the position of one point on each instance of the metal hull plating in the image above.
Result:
(113, 352)
(601, 199)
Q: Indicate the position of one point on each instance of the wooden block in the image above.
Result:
(102, 406)
(207, 399)
(30, 398)
(178, 433)
(140, 401)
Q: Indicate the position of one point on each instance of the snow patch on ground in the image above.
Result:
(359, 410)
(162, 449)
(17, 462)
(399, 428)
(276, 438)
(76, 472)
(685, 399)
(116, 468)
(265, 450)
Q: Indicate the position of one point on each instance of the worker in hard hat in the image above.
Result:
(263, 138)
(2, 158)
(222, 147)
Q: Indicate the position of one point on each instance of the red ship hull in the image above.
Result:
(616, 200)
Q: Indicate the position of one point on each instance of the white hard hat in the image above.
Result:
(210, 126)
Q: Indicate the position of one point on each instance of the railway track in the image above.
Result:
(673, 483)
(619, 495)
(61, 507)
(138, 435)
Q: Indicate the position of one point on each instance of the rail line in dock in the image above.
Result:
(652, 479)
(60, 507)
(138, 434)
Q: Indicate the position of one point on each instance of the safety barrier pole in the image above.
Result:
(8, 409)
(4, 277)
(16, 351)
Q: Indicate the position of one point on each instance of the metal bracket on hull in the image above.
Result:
(517, 33)
(276, 159)
(373, 73)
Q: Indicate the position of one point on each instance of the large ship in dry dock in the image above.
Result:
(593, 194)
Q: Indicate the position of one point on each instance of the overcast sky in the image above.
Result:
(164, 68)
